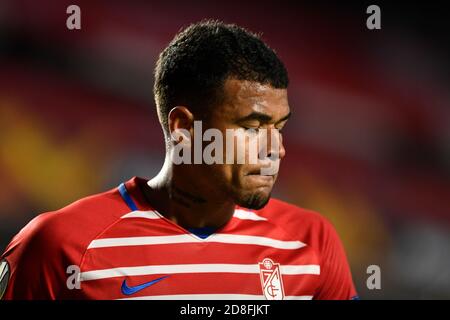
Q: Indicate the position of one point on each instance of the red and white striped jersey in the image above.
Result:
(124, 249)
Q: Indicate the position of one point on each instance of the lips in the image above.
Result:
(259, 172)
(265, 167)
(258, 177)
(257, 180)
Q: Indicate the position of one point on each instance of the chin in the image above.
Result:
(254, 201)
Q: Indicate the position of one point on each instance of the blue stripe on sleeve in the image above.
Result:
(126, 197)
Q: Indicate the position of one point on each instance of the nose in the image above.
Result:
(275, 144)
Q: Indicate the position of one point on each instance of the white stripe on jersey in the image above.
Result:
(247, 215)
(189, 238)
(238, 213)
(142, 214)
(193, 268)
(224, 296)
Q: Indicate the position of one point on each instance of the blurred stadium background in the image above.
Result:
(368, 145)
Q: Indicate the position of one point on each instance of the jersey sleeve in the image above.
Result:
(336, 280)
(35, 265)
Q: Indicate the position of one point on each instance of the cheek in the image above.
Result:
(241, 148)
(222, 174)
(228, 176)
(234, 174)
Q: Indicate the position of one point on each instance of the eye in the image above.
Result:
(256, 129)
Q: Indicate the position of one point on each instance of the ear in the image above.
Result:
(180, 119)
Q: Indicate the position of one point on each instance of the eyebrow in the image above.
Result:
(262, 117)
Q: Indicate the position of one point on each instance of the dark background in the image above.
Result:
(368, 145)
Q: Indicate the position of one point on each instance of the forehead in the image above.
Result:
(244, 97)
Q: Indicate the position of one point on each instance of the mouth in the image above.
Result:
(259, 172)
(264, 169)
(259, 180)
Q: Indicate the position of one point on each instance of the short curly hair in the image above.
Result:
(192, 69)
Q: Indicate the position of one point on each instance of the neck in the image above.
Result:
(178, 196)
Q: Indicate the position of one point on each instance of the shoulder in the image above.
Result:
(39, 255)
(284, 213)
(306, 225)
(68, 231)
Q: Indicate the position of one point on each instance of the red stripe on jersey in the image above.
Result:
(193, 253)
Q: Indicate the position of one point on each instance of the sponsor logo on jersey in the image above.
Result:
(127, 290)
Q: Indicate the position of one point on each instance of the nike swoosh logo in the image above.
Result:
(126, 290)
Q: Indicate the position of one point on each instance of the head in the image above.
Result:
(229, 79)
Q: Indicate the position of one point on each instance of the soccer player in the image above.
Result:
(194, 231)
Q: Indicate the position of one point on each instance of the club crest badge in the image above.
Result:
(271, 281)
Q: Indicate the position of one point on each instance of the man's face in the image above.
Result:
(249, 105)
